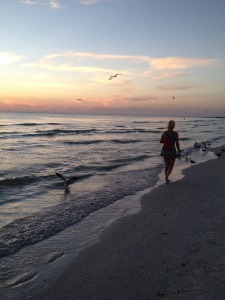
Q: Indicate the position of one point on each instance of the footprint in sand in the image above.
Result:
(53, 257)
(21, 279)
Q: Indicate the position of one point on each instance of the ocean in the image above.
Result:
(114, 159)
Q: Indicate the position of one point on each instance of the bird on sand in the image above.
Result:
(66, 181)
(204, 150)
(196, 145)
(173, 97)
(192, 161)
(218, 154)
(114, 76)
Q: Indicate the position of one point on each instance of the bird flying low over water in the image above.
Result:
(114, 76)
(66, 182)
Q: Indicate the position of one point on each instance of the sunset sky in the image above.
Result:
(58, 56)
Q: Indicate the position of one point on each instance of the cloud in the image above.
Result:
(94, 1)
(55, 4)
(178, 63)
(20, 103)
(142, 99)
(90, 1)
(71, 59)
(97, 67)
(176, 87)
(9, 57)
(82, 62)
(168, 75)
(29, 2)
(52, 3)
(118, 99)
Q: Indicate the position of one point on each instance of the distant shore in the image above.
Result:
(172, 249)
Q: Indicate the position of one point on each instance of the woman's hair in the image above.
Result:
(171, 125)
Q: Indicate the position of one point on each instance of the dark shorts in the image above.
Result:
(169, 153)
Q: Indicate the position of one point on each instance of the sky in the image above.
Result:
(59, 56)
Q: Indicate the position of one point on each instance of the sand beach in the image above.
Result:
(172, 249)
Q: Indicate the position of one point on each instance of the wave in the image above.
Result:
(27, 124)
(10, 133)
(37, 124)
(55, 132)
(131, 159)
(137, 130)
(112, 165)
(18, 181)
(125, 141)
(87, 142)
(185, 139)
(42, 225)
(142, 122)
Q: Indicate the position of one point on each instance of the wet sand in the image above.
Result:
(172, 249)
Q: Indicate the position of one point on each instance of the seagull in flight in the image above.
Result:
(114, 76)
(66, 182)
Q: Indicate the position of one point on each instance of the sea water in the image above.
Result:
(115, 160)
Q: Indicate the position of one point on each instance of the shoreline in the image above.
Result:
(164, 250)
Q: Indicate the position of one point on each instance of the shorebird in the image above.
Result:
(173, 97)
(196, 145)
(205, 145)
(192, 161)
(185, 153)
(114, 76)
(204, 150)
(218, 154)
(66, 181)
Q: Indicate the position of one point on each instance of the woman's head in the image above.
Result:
(171, 125)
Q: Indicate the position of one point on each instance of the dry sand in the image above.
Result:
(173, 249)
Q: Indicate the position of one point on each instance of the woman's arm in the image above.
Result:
(177, 142)
(162, 138)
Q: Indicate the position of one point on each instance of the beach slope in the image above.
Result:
(173, 248)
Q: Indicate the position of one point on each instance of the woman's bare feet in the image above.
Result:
(167, 180)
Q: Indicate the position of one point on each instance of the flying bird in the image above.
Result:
(114, 76)
(66, 182)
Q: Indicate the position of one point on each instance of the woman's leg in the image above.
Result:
(171, 162)
(166, 162)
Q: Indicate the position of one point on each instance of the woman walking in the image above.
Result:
(171, 148)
